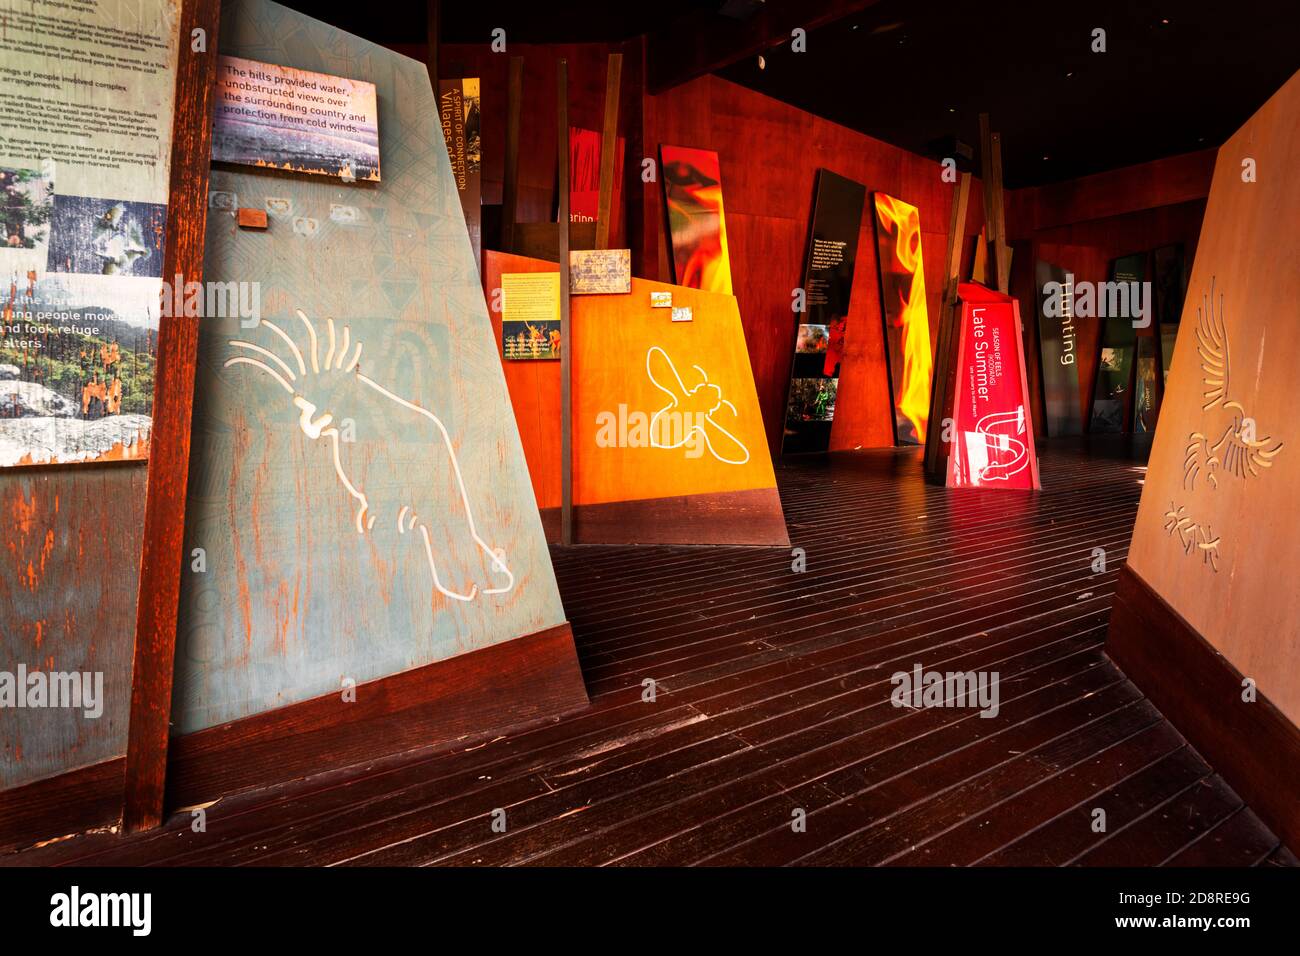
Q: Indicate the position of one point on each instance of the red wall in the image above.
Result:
(1084, 223)
(1087, 248)
(770, 153)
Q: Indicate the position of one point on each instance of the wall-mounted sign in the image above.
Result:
(276, 116)
(530, 315)
(600, 271)
(992, 439)
(85, 149)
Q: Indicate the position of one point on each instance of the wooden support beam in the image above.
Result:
(956, 239)
(169, 444)
(1001, 251)
(995, 224)
(566, 333)
(608, 150)
(510, 188)
(986, 174)
(946, 348)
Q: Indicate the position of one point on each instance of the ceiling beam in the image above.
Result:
(703, 42)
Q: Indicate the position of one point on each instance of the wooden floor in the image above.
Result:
(773, 697)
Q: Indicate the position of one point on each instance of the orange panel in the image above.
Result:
(660, 408)
(534, 386)
(640, 376)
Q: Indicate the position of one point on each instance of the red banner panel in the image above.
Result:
(584, 177)
(992, 438)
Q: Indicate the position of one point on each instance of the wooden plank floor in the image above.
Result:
(773, 697)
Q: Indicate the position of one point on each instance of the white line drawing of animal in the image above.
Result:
(1192, 536)
(1235, 451)
(703, 394)
(342, 358)
(992, 442)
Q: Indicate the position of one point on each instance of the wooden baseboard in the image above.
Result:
(72, 802)
(734, 517)
(1253, 746)
(487, 691)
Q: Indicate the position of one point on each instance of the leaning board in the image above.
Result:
(719, 492)
(316, 571)
(1216, 535)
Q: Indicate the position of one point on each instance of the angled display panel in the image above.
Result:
(1057, 338)
(1112, 399)
(668, 441)
(993, 439)
(907, 322)
(827, 285)
(1207, 618)
(697, 223)
(358, 488)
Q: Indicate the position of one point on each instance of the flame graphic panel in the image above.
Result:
(907, 323)
(696, 223)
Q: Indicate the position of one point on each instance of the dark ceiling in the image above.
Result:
(525, 21)
(1177, 76)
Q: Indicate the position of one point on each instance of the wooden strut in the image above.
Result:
(1001, 251)
(162, 553)
(566, 337)
(995, 226)
(608, 150)
(945, 350)
(510, 186)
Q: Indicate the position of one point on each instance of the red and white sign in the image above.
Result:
(992, 437)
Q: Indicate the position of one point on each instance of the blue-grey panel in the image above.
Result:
(327, 559)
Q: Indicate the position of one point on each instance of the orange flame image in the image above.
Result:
(696, 219)
(709, 264)
(909, 314)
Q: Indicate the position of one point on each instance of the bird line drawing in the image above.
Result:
(1193, 537)
(342, 358)
(1227, 446)
(1224, 447)
(696, 396)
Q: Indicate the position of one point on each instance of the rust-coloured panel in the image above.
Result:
(68, 573)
